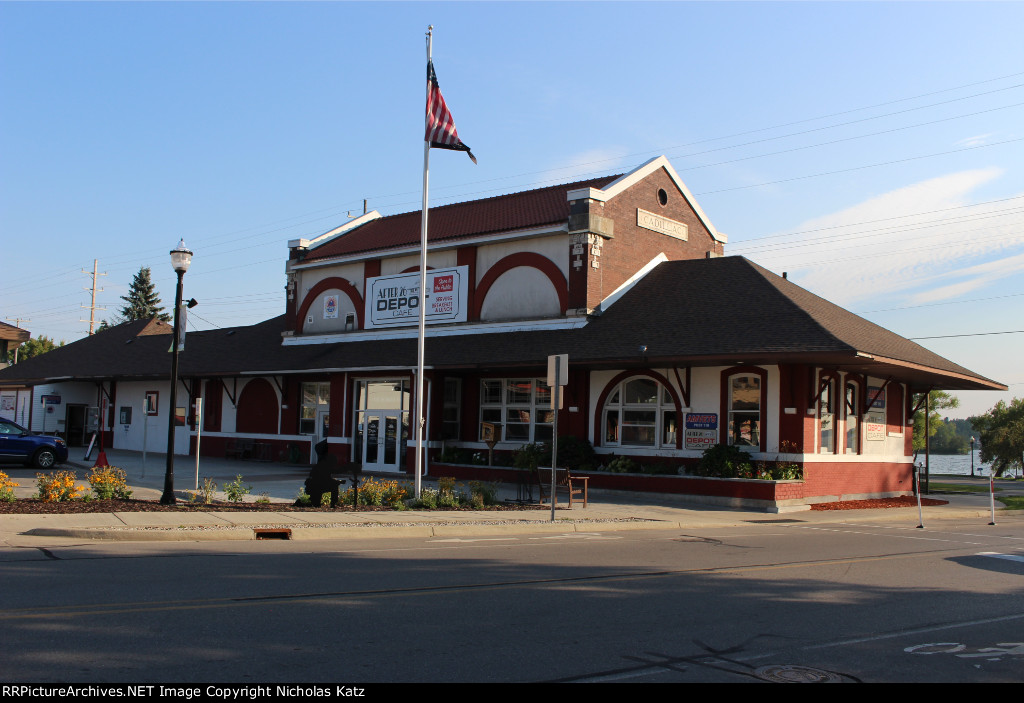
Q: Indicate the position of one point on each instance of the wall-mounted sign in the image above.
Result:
(394, 301)
(330, 307)
(701, 431)
(662, 225)
(702, 421)
(876, 398)
(874, 429)
(50, 399)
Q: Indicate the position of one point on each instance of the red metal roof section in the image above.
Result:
(502, 213)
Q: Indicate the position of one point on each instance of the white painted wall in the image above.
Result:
(306, 279)
(316, 321)
(152, 428)
(522, 292)
(555, 248)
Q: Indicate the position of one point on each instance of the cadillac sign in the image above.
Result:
(394, 301)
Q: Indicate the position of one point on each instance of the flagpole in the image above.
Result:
(421, 347)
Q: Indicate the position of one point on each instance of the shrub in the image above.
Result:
(530, 456)
(208, 490)
(487, 493)
(373, 491)
(622, 465)
(57, 487)
(235, 491)
(6, 488)
(725, 461)
(109, 482)
(575, 454)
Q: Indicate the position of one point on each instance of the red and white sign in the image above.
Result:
(394, 301)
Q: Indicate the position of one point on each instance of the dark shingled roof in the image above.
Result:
(697, 312)
(515, 211)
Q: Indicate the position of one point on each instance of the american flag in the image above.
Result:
(441, 131)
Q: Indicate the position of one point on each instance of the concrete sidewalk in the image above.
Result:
(280, 483)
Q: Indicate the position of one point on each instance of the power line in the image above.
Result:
(974, 334)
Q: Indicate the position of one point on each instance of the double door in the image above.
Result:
(385, 433)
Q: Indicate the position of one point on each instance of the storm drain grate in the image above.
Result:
(775, 521)
(282, 533)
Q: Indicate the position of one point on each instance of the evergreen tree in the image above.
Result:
(142, 302)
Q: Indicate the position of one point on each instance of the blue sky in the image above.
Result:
(874, 151)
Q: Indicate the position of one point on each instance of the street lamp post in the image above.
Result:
(972, 457)
(181, 258)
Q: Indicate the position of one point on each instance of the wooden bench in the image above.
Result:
(564, 481)
(239, 449)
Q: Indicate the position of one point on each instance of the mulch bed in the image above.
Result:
(32, 506)
(899, 502)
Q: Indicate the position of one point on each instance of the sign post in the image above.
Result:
(199, 430)
(558, 373)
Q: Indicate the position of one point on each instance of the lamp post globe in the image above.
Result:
(181, 259)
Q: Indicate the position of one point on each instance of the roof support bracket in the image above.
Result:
(233, 393)
(921, 401)
(872, 399)
(684, 388)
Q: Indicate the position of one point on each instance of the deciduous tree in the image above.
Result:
(1001, 431)
(937, 400)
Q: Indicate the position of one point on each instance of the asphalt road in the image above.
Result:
(777, 601)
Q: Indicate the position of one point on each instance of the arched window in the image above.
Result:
(639, 412)
(745, 410)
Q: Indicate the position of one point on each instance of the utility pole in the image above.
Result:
(17, 323)
(92, 307)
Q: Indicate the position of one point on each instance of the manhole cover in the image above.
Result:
(796, 674)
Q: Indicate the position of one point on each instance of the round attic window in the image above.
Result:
(662, 196)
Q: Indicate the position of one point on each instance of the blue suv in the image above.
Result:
(18, 444)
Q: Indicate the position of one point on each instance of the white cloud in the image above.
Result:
(976, 140)
(919, 239)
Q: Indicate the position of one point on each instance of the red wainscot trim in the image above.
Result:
(679, 485)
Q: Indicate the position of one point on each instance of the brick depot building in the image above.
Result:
(672, 347)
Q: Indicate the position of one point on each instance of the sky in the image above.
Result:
(873, 151)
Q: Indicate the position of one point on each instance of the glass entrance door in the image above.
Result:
(382, 440)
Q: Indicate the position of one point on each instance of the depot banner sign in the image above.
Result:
(394, 301)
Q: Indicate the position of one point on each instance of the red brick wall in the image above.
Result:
(837, 479)
(632, 247)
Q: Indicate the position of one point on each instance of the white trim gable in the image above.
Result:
(334, 233)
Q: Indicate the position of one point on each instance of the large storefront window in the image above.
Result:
(522, 406)
(315, 397)
(639, 412)
(745, 410)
